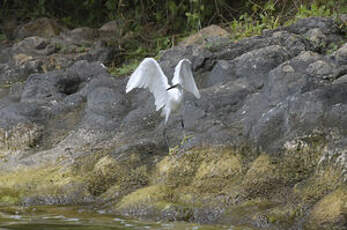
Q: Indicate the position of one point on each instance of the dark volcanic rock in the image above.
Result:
(321, 32)
(46, 95)
(256, 64)
(267, 138)
(326, 25)
(293, 43)
(81, 36)
(198, 56)
(105, 108)
(251, 85)
(50, 50)
(20, 113)
(292, 77)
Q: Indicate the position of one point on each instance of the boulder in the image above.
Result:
(82, 36)
(42, 27)
(209, 36)
(331, 209)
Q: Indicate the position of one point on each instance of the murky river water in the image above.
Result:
(70, 218)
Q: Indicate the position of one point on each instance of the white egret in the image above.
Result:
(168, 97)
(149, 75)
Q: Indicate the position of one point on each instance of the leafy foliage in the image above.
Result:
(2, 37)
(174, 15)
(124, 69)
(268, 16)
(149, 26)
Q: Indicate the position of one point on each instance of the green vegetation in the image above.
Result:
(2, 37)
(261, 18)
(136, 48)
(124, 69)
(313, 10)
(150, 26)
(172, 16)
(269, 17)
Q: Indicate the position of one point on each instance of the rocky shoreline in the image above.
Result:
(265, 146)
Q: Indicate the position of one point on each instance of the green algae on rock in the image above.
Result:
(181, 186)
(330, 209)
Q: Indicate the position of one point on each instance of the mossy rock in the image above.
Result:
(34, 186)
(249, 212)
(331, 211)
(43, 27)
(261, 178)
(257, 190)
(318, 185)
(9, 197)
(225, 166)
(282, 215)
(147, 202)
(144, 196)
(196, 166)
(105, 173)
(20, 137)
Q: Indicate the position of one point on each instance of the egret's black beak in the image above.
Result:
(171, 87)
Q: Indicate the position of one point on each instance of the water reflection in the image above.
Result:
(71, 218)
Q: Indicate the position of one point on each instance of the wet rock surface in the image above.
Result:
(267, 139)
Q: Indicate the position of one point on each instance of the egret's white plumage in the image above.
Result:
(149, 75)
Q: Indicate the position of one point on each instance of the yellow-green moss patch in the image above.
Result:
(9, 197)
(253, 187)
(318, 185)
(261, 178)
(332, 209)
(144, 196)
(224, 166)
(44, 181)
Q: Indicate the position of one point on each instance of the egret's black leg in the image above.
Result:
(183, 130)
(182, 119)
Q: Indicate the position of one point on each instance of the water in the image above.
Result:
(72, 218)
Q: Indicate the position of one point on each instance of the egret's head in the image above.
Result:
(174, 86)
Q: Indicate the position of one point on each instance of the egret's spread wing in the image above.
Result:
(183, 75)
(149, 75)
